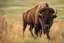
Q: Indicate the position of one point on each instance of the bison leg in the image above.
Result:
(48, 34)
(24, 28)
(31, 28)
(36, 30)
(40, 33)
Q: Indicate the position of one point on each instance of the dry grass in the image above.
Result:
(11, 32)
(3, 26)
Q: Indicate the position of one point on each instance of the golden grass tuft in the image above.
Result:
(3, 27)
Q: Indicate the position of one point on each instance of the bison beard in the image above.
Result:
(46, 30)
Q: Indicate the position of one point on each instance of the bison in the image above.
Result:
(38, 17)
(46, 18)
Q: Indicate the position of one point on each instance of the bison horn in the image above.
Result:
(55, 12)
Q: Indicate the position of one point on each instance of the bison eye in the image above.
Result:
(40, 17)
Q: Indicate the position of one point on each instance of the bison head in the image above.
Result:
(46, 14)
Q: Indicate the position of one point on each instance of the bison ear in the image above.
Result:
(54, 16)
(39, 16)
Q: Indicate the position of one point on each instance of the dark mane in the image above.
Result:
(44, 9)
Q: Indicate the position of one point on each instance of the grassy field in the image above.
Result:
(14, 10)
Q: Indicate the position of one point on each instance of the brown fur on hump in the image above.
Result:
(25, 15)
(32, 14)
(40, 5)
